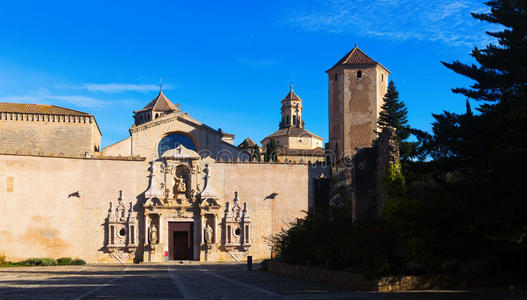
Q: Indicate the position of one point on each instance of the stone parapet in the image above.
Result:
(96, 157)
(348, 280)
(11, 116)
(357, 282)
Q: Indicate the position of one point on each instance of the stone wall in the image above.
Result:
(146, 137)
(53, 207)
(351, 281)
(354, 106)
(123, 148)
(369, 170)
(357, 282)
(49, 135)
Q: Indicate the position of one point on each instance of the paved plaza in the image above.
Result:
(184, 281)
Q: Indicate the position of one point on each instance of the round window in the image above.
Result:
(122, 232)
(172, 141)
(237, 231)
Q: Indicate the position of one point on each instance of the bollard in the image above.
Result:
(249, 263)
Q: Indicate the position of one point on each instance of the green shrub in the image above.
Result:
(38, 261)
(2, 259)
(333, 240)
(78, 261)
(64, 261)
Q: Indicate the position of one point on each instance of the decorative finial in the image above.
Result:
(355, 45)
(177, 105)
(291, 87)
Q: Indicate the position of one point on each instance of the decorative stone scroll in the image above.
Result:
(121, 227)
(236, 225)
(208, 197)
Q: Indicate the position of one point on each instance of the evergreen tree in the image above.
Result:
(476, 163)
(245, 146)
(501, 75)
(256, 153)
(271, 154)
(246, 149)
(394, 114)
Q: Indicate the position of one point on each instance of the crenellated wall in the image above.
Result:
(64, 135)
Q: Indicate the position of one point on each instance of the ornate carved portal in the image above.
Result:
(175, 196)
(121, 230)
(236, 226)
(181, 219)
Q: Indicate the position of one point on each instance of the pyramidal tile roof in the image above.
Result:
(357, 57)
(291, 96)
(249, 141)
(160, 103)
(39, 109)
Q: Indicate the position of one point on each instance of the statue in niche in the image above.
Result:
(180, 185)
(152, 234)
(208, 235)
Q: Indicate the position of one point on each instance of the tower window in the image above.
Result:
(359, 74)
(294, 120)
(287, 120)
(336, 77)
(382, 77)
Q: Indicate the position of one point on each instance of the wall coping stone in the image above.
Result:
(122, 158)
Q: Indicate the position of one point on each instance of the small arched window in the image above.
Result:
(287, 120)
(359, 74)
(382, 77)
(157, 115)
(336, 77)
(294, 120)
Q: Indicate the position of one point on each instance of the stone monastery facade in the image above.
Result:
(175, 189)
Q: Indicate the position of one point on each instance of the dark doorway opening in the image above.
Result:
(180, 241)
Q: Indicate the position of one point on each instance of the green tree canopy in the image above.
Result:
(476, 162)
(395, 114)
(271, 153)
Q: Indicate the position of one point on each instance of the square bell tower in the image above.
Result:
(357, 85)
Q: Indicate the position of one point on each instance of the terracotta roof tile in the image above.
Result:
(249, 141)
(356, 57)
(160, 103)
(291, 96)
(293, 131)
(39, 109)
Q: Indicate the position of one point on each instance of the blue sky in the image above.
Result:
(228, 64)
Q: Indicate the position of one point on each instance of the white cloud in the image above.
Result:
(78, 100)
(447, 21)
(39, 98)
(123, 87)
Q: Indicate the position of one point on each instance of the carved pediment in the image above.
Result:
(180, 153)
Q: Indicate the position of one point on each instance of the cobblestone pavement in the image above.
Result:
(184, 281)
